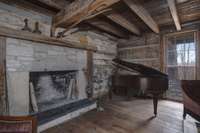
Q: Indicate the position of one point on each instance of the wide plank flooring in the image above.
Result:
(135, 116)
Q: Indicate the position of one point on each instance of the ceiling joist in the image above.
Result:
(108, 28)
(119, 19)
(138, 9)
(78, 11)
(56, 4)
(174, 13)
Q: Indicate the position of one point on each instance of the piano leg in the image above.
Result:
(155, 104)
(184, 113)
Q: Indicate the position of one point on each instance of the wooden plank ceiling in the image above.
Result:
(122, 18)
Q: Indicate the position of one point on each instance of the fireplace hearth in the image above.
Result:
(52, 114)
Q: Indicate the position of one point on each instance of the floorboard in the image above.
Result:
(135, 116)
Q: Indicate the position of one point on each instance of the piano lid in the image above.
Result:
(139, 68)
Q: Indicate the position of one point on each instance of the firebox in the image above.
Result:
(53, 94)
(52, 89)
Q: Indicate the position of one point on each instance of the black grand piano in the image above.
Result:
(150, 80)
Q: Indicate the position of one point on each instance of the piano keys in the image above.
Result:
(149, 80)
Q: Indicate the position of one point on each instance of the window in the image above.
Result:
(186, 54)
(180, 61)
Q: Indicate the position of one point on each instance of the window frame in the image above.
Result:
(163, 46)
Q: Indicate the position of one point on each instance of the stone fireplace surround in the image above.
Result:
(23, 57)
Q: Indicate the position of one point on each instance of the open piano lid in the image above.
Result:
(139, 68)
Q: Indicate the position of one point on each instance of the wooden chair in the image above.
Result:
(15, 124)
(191, 98)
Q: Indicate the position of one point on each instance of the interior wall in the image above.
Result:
(144, 50)
(12, 16)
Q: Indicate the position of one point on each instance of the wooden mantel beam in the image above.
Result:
(24, 35)
(138, 9)
(119, 19)
(174, 13)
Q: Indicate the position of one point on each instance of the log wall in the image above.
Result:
(143, 50)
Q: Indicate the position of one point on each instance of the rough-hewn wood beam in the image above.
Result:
(107, 27)
(138, 9)
(80, 10)
(119, 19)
(58, 4)
(181, 1)
(23, 35)
(71, 13)
(174, 13)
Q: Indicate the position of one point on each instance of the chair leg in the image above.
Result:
(184, 113)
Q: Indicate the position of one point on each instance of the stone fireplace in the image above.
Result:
(47, 81)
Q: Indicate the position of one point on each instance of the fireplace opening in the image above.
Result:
(52, 89)
(54, 94)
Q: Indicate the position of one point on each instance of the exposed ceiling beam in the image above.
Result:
(119, 19)
(138, 9)
(174, 13)
(80, 10)
(57, 4)
(34, 5)
(195, 23)
(102, 25)
(181, 1)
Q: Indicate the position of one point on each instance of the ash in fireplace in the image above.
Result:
(54, 89)
(48, 89)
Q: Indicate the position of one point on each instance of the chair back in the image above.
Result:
(192, 89)
(18, 124)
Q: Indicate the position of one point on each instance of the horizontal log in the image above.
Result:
(141, 59)
(24, 35)
(138, 47)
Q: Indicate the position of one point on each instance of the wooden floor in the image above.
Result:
(134, 116)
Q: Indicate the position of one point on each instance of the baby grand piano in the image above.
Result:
(149, 80)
